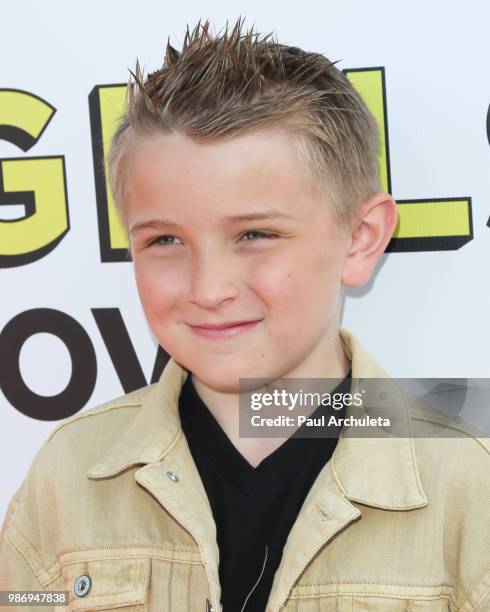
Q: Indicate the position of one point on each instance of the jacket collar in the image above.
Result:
(380, 472)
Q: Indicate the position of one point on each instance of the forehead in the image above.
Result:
(265, 166)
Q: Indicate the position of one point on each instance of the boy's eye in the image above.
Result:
(166, 239)
(258, 234)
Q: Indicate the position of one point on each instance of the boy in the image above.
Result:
(245, 173)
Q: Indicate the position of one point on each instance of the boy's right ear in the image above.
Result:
(373, 226)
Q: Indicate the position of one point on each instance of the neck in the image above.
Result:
(327, 361)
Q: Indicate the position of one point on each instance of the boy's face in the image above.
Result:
(200, 262)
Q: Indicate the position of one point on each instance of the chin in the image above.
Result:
(223, 378)
(217, 382)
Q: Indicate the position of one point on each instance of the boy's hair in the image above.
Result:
(236, 82)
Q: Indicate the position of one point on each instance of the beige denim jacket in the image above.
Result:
(390, 524)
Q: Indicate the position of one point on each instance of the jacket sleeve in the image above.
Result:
(469, 546)
(26, 561)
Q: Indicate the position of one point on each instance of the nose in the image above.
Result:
(213, 281)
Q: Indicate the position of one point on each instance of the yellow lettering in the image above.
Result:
(423, 225)
(35, 184)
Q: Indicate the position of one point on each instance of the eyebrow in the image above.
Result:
(254, 216)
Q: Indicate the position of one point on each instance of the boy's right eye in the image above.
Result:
(163, 240)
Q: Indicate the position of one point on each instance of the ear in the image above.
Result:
(371, 229)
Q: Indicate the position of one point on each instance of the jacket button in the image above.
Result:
(82, 586)
(173, 476)
(209, 607)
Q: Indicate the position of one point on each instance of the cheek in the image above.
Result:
(281, 283)
(273, 280)
(158, 291)
(306, 280)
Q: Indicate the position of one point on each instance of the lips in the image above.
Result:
(222, 325)
(223, 330)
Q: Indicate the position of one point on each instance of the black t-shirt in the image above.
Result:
(254, 508)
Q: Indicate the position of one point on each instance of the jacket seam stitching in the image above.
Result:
(125, 545)
(89, 414)
(402, 584)
(413, 453)
(470, 434)
(125, 557)
(39, 573)
(376, 594)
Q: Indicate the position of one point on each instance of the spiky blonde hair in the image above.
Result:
(223, 85)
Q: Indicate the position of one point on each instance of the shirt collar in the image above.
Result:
(380, 472)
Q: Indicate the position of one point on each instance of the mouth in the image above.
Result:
(223, 331)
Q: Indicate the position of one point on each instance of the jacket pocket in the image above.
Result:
(107, 583)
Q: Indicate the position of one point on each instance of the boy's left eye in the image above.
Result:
(259, 234)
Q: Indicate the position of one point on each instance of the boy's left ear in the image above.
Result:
(370, 231)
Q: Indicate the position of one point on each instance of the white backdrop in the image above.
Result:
(426, 314)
